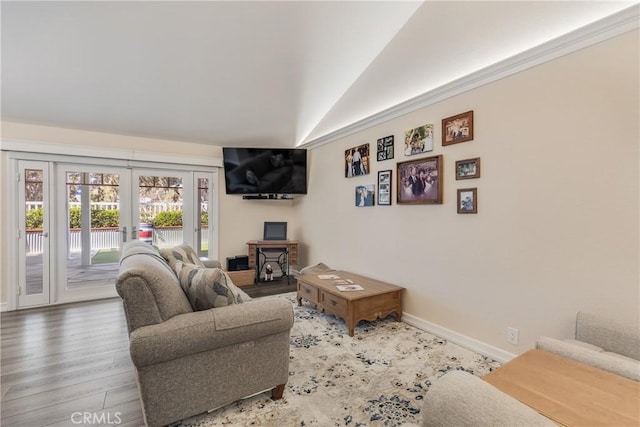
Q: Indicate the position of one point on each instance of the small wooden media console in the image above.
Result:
(376, 300)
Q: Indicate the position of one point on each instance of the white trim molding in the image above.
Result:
(4, 307)
(599, 31)
(133, 156)
(462, 340)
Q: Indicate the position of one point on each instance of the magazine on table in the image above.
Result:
(349, 288)
(327, 276)
(343, 282)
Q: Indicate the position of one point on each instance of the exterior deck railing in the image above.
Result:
(107, 238)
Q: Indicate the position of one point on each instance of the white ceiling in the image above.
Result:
(260, 73)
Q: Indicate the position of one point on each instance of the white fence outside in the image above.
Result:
(151, 209)
(107, 238)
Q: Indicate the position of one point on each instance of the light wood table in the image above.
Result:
(568, 392)
(377, 300)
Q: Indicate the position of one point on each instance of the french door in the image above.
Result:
(75, 219)
(93, 221)
(33, 232)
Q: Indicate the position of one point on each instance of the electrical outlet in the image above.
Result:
(512, 336)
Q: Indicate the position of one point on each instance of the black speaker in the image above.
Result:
(236, 263)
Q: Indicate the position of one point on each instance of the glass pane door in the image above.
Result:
(33, 271)
(93, 227)
(160, 206)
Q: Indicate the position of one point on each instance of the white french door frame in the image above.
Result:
(23, 298)
(207, 169)
(62, 293)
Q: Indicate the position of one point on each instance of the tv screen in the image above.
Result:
(275, 231)
(265, 171)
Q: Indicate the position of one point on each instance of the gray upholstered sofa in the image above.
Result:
(189, 362)
(463, 400)
(609, 344)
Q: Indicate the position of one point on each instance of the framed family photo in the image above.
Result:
(468, 168)
(365, 195)
(384, 188)
(467, 200)
(419, 181)
(418, 140)
(457, 129)
(356, 161)
(385, 148)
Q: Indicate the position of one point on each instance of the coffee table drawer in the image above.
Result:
(308, 292)
(333, 304)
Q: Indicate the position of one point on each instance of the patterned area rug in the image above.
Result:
(376, 378)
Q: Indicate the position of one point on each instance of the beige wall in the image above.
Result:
(557, 229)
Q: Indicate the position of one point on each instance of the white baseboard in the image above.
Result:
(490, 351)
(4, 306)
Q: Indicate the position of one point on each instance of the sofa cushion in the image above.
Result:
(620, 336)
(183, 253)
(617, 364)
(207, 287)
(148, 286)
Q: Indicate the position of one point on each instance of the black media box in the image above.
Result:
(236, 263)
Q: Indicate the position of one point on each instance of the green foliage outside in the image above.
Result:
(34, 219)
(109, 218)
(168, 219)
(99, 218)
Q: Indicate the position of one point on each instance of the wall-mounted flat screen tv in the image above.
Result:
(265, 171)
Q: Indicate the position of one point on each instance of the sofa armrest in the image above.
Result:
(202, 331)
(611, 362)
(612, 335)
(211, 263)
(461, 399)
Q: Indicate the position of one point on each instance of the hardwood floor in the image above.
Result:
(63, 360)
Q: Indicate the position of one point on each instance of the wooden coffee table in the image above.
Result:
(377, 300)
(568, 392)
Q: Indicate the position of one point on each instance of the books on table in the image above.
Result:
(343, 285)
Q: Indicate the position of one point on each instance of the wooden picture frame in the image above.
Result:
(356, 161)
(418, 140)
(456, 129)
(420, 181)
(467, 200)
(468, 168)
(385, 148)
(365, 195)
(384, 187)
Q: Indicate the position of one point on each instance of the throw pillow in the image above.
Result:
(207, 287)
(252, 178)
(182, 253)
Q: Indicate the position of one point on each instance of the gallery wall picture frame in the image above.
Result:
(356, 161)
(419, 181)
(365, 195)
(385, 148)
(384, 187)
(418, 140)
(467, 200)
(456, 129)
(468, 168)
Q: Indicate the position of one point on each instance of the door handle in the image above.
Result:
(134, 233)
(124, 234)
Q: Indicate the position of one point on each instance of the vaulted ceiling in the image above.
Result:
(255, 73)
